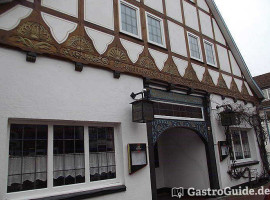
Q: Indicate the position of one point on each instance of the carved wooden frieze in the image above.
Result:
(33, 34)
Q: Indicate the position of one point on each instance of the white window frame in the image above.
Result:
(137, 16)
(213, 50)
(51, 190)
(162, 30)
(180, 118)
(244, 159)
(199, 43)
(267, 94)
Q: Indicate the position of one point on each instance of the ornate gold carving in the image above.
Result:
(207, 79)
(190, 73)
(84, 56)
(234, 87)
(34, 30)
(147, 63)
(171, 69)
(221, 82)
(80, 43)
(244, 90)
(117, 54)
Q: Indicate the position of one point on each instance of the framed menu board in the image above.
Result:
(137, 157)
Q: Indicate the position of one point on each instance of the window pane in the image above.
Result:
(237, 145)
(68, 148)
(129, 19)
(209, 53)
(194, 47)
(27, 157)
(245, 143)
(154, 30)
(102, 154)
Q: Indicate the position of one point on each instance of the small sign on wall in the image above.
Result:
(137, 157)
(223, 150)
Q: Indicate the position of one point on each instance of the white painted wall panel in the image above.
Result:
(134, 50)
(199, 71)
(177, 39)
(248, 88)
(206, 24)
(239, 84)
(191, 16)
(214, 75)
(202, 4)
(181, 65)
(51, 89)
(159, 57)
(11, 18)
(100, 39)
(218, 35)
(100, 12)
(59, 27)
(228, 80)
(173, 9)
(223, 59)
(69, 7)
(155, 4)
(235, 68)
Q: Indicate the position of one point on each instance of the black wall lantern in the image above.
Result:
(229, 118)
(142, 109)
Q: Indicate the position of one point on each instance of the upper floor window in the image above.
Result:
(155, 30)
(129, 19)
(29, 156)
(241, 149)
(194, 47)
(210, 53)
(266, 93)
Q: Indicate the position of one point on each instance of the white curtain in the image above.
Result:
(68, 163)
(101, 162)
(28, 166)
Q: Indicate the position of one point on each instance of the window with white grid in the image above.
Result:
(241, 149)
(210, 53)
(155, 30)
(194, 46)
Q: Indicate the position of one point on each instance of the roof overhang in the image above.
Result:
(235, 51)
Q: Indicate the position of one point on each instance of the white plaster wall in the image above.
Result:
(235, 68)
(206, 24)
(191, 17)
(134, 50)
(69, 7)
(173, 9)
(223, 59)
(99, 12)
(155, 4)
(177, 39)
(219, 135)
(202, 4)
(182, 158)
(218, 35)
(52, 89)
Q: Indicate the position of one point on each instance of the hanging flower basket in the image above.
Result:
(229, 118)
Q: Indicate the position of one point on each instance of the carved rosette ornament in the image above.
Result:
(207, 79)
(190, 73)
(117, 54)
(171, 69)
(147, 63)
(234, 87)
(221, 82)
(34, 36)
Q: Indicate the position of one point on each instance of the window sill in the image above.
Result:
(87, 194)
(245, 164)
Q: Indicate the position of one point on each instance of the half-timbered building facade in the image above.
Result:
(68, 68)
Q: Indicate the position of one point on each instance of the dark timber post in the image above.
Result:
(152, 161)
(210, 150)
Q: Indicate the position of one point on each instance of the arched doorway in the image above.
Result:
(181, 160)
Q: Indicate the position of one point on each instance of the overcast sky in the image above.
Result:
(249, 24)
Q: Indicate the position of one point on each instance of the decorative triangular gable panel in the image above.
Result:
(134, 50)
(214, 75)
(221, 82)
(159, 57)
(207, 79)
(239, 84)
(234, 87)
(227, 79)
(59, 27)
(218, 34)
(199, 71)
(181, 65)
(235, 68)
(190, 73)
(171, 68)
(248, 88)
(244, 90)
(11, 19)
(100, 40)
